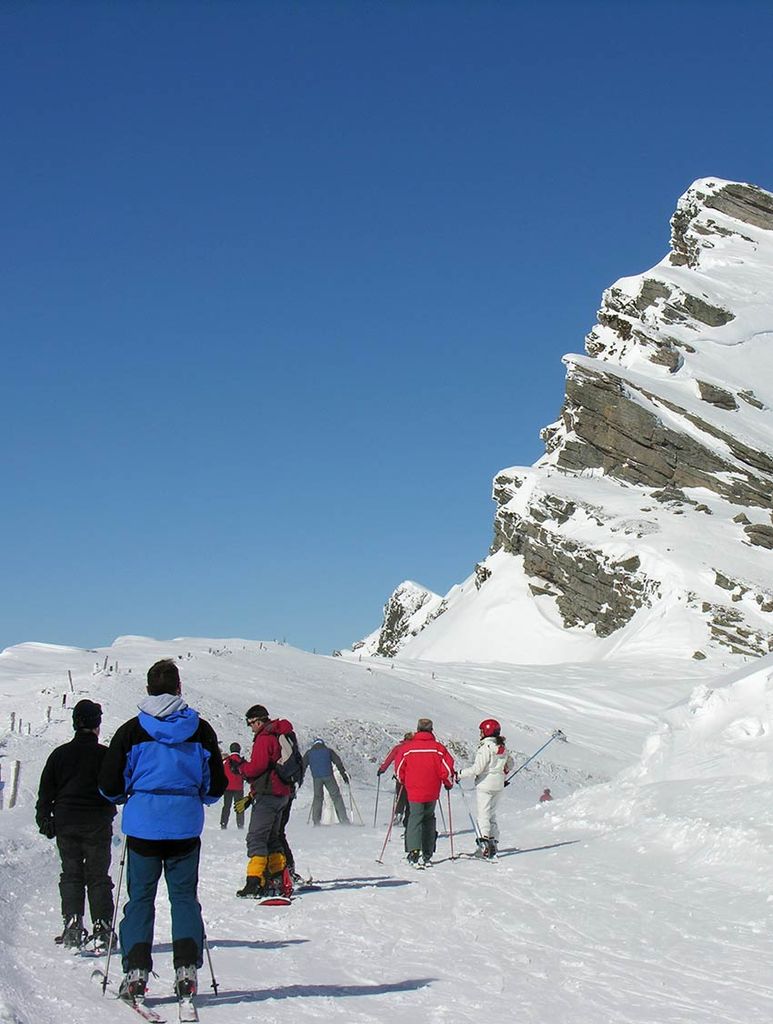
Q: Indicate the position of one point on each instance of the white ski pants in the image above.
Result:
(487, 811)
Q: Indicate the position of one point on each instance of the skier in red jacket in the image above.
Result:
(401, 800)
(235, 788)
(266, 861)
(423, 765)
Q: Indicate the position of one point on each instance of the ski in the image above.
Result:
(142, 1009)
(186, 1009)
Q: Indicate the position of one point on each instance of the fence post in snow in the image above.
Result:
(64, 700)
(104, 666)
(15, 775)
(13, 721)
(69, 676)
(48, 714)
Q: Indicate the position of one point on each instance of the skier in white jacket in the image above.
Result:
(492, 762)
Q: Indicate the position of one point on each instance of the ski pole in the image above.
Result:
(450, 824)
(209, 961)
(115, 916)
(442, 816)
(557, 735)
(354, 804)
(391, 822)
(375, 809)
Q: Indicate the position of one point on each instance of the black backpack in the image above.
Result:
(289, 767)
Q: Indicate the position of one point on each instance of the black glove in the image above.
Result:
(47, 828)
(379, 771)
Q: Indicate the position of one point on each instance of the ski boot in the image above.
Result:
(414, 859)
(253, 888)
(185, 988)
(74, 934)
(185, 982)
(133, 985)
(103, 935)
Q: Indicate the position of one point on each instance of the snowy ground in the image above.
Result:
(640, 895)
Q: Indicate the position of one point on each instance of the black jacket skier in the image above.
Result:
(71, 808)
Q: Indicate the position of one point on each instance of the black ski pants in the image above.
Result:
(228, 798)
(85, 857)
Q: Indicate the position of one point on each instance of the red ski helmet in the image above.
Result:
(490, 727)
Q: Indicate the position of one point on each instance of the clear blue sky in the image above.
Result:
(283, 285)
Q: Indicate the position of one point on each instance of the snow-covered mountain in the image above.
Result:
(649, 516)
(409, 609)
(640, 895)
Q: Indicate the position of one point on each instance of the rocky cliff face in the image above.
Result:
(654, 497)
(409, 609)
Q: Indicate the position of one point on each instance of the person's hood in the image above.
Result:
(167, 718)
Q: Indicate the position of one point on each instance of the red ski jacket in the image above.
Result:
(265, 754)
(231, 765)
(422, 765)
(393, 755)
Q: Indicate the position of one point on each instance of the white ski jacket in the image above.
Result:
(492, 762)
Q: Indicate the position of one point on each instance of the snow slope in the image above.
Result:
(640, 895)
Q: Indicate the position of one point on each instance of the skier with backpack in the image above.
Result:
(163, 765)
(235, 788)
(492, 762)
(71, 809)
(319, 759)
(273, 769)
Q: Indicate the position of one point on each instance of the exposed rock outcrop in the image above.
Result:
(656, 487)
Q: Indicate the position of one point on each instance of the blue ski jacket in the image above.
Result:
(164, 765)
(320, 759)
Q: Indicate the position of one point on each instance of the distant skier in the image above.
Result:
(401, 797)
(71, 808)
(164, 765)
(546, 795)
(235, 789)
(492, 762)
(319, 759)
(266, 860)
(422, 766)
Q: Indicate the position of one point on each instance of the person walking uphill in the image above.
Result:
(164, 765)
(491, 765)
(319, 758)
(401, 800)
(267, 871)
(71, 808)
(235, 788)
(423, 765)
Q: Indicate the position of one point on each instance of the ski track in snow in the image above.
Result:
(607, 912)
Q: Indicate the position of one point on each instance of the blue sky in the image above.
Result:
(283, 285)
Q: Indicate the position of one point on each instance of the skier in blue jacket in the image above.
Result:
(164, 766)
(319, 758)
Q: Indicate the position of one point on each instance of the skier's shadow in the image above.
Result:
(511, 851)
(166, 947)
(305, 992)
(337, 884)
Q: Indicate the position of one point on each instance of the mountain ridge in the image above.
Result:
(652, 503)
